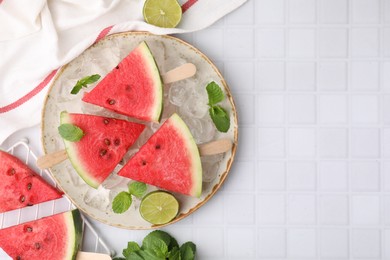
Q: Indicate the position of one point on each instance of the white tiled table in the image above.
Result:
(311, 180)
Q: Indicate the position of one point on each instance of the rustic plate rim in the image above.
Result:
(230, 161)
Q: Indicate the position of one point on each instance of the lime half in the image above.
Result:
(162, 13)
(159, 207)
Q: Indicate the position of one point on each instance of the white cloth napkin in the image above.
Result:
(38, 37)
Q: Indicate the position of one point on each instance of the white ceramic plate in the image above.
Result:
(100, 58)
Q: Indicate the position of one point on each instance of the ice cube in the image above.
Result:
(168, 110)
(113, 179)
(103, 60)
(195, 105)
(210, 166)
(97, 198)
(201, 129)
(76, 180)
(179, 93)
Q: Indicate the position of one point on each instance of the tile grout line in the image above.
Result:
(349, 132)
(286, 193)
(381, 120)
(318, 231)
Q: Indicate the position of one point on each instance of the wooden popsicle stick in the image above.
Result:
(211, 148)
(182, 72)
(52, 159)
(92, 256)
(215, 147)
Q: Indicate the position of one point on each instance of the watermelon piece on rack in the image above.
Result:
(105, 142)
(133, 88)
(56, 237)
(169, 160)
(20, 186)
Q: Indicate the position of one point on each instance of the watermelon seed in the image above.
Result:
(117, 67)
(18, 257)
(22, 198)
(106, 121)
(103, 152)
(30, 204)
(29, 185)
(117, 141)
(143, 162)
(111, 101)
(37, 245)
(158, 146)
(29, 229)
(11, 172)
(107, 142)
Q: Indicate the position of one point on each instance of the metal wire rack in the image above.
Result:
(92, 241)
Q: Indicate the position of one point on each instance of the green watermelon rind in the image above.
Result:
(186, 135)
(73, 156)
(156, 77)
(75, 228)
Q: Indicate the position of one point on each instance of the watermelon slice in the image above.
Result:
(105, 142)
(57, 237)
(169, 160)
(20, 186)
(133, 88)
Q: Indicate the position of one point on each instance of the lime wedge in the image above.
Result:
(159, 207)
(162, 13)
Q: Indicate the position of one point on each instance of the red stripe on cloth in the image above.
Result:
(44, 83)
(29, 95)
(103, 33)
(187, 5)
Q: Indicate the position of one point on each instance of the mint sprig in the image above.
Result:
(84, 82)
(159, 245)
(217, 113)
(122, 202)
(215, 93)
(137, 189)
(70, 132)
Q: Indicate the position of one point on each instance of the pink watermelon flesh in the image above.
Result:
(132, 88)
(105, 142)
(20, 186)
(169, 160)
(57, 237)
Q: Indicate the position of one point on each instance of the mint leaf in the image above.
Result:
(157, 242)
(215, 93)
(174, 254)
(188, 251)
(159, 248)
(135, 256)
(167, 238)
(121, 202)
(148, 255)
(137, 189)
(220, 118)
(131, 247)
(84, 82)
(70, 132)
(90, 79)
(157, 234)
